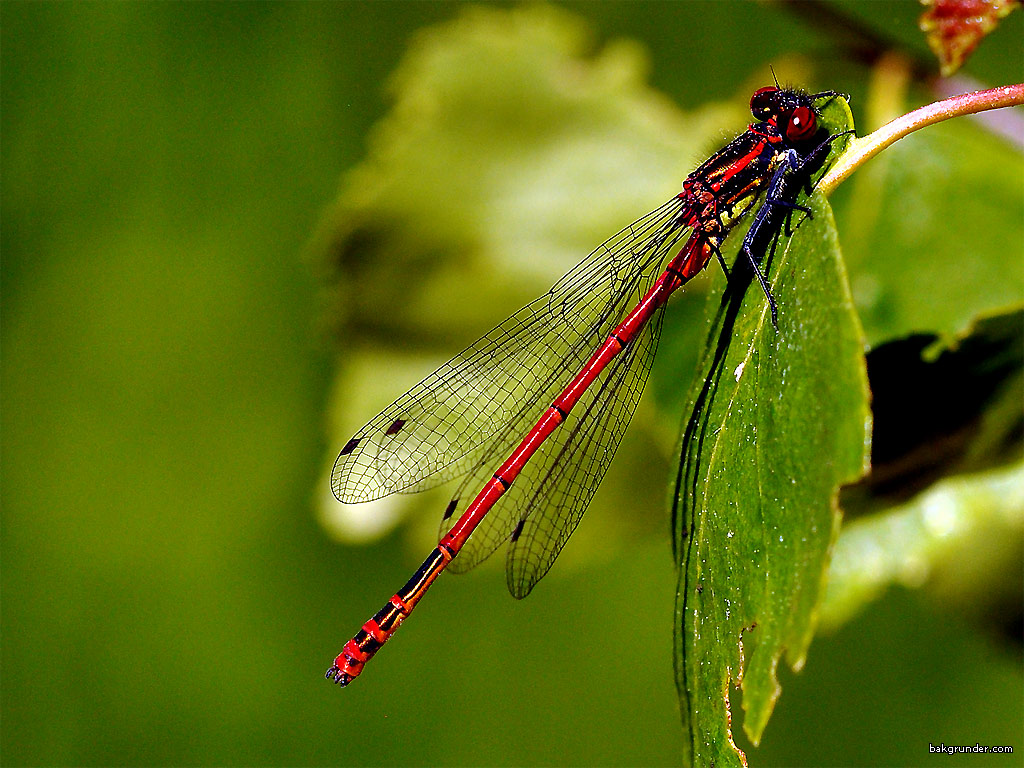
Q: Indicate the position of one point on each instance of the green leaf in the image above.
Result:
(947, 419)
(943, 407)
(932, 231)
(779, 422)
(963, 535)
(513, 148)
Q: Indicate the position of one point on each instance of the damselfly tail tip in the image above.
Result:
(338, 676)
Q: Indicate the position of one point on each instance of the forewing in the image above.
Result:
(564, 490)
(474, 405)
(554, 488)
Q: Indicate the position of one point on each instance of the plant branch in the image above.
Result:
(862, 149)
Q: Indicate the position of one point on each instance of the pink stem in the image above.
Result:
(863, 149)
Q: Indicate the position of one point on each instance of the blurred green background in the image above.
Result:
(168, 594)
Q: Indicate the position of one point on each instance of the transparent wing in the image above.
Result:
(568, 484)
(477, 403)
(546, 502)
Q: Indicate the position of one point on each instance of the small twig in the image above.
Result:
(861, 150)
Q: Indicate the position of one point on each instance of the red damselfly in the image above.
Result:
(588, 342)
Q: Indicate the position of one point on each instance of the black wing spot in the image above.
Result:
(396, 427)
(450, 510)
(351, 445)
(519, 530)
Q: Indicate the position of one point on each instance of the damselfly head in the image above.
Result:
(801, 124)
(792, 111)
(765, 102)
(778, 104)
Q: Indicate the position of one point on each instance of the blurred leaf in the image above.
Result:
(512, 149)
(780, 420)
(933, 231)
(943, 409)
(969, 528)
(955, 27)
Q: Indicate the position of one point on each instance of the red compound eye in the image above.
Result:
(764, 102)
(801, 124)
